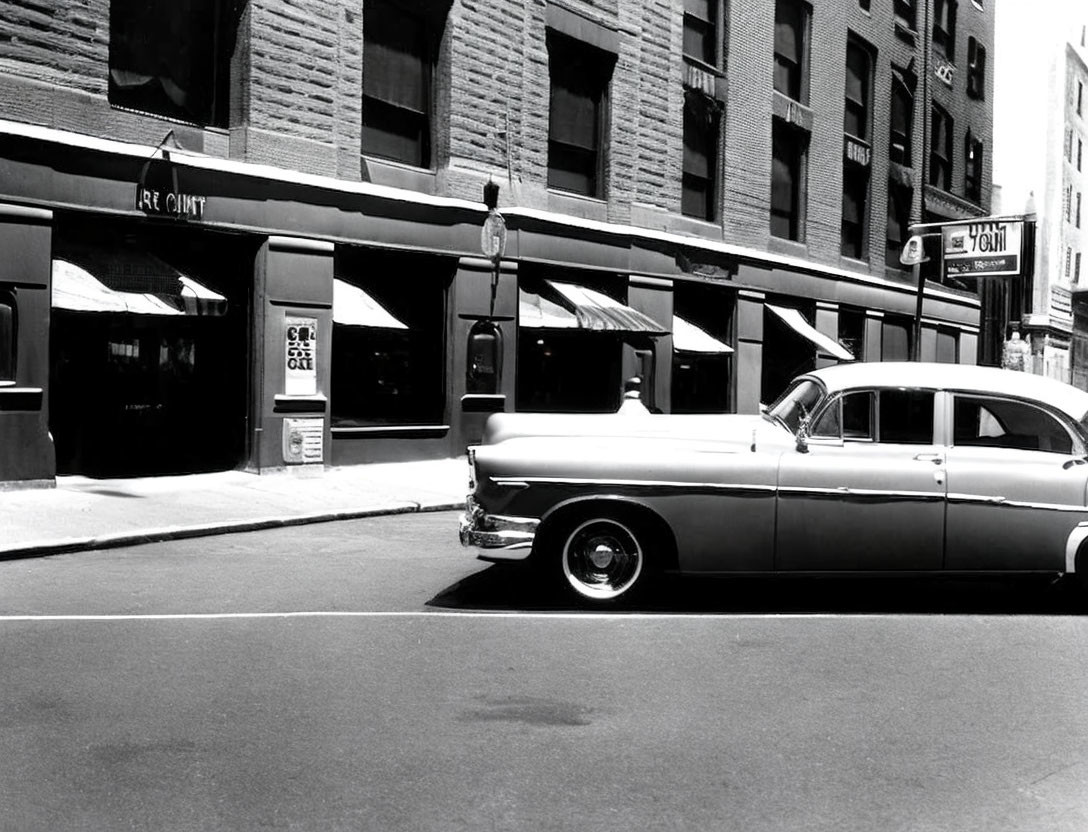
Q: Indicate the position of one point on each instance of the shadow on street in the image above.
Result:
(508, 587)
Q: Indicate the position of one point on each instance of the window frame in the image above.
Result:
(876, 423)
(379, 117)
(904, 149)
(973, 164)
(944, 27)
(578, 54)
(708, 30)
(891, 253)
(976, 68)
(855, 244)
(795, 141)
(797, 72)
(860, 109)
(696, 108)
(938, 154)
(906, 11)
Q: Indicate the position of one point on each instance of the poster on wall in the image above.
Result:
(301, 357)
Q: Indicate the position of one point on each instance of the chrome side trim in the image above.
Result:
(620, 483)
(843, 492)
(1004, 503)
(1072, 543)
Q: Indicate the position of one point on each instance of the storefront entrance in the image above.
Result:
(149, 349)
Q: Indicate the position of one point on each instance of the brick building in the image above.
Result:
(248, 233)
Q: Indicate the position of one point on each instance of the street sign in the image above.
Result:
(493, 236)
(913, 253)
(989, 248)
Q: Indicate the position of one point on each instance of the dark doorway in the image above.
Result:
(149, 349)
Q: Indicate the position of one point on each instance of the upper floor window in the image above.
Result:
(173, 59)
(944, 27)
(399, 52)
(1080, 151)
(972, 168)
(578, 115)
(789, 159)
(855, 211)
(791, 49)
(905, 11)
(701, 31)
(1080, 97)
(898, 229)
(940, 149)
(902, 119)
(700, 164)
(858, 82)
(8, 336)
(976, 69)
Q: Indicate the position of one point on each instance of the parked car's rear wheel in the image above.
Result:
(603, 557)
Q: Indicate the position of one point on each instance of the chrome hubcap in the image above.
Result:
(602, 559)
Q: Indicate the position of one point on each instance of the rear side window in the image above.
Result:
(906, 417)
(1002, 423)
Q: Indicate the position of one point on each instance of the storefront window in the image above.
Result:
(391, 371)
(7, 336)
(701, 377)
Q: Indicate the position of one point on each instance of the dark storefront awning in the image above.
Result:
(583, 308)
(825, 344)
(687, 337)
(129, 281)
(351, 306)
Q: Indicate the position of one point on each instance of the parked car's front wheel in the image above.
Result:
(603, 557)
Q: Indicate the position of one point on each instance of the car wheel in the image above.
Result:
(603, 558)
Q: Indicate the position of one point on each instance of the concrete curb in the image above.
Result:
(136, 538)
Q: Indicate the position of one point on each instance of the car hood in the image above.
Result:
(726, 428)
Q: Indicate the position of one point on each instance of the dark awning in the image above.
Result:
(824, 343)
(591, 309)
(128, 280)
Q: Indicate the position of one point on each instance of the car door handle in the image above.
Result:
(936, 459)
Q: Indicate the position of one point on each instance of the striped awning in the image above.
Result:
(687, 337)
(351, 306)
(824, 343)
(129, 281)
(592, 310)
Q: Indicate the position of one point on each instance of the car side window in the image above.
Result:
(1004, 423)
(828, 425)
(906, 417)
(857, 416)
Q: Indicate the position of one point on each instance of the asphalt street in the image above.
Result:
(371, 675)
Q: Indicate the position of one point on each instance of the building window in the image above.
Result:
(864, 5)
(8, 333)
(578, 115)
(904, 11)
(858, 82)
(902, 119)
(701, 31)
(1080, 151)
(1080, 96)
(1078, 209)
(1067, 203)
(1068, 261)
(391, 371)
(940, 149)
(788, 163)
(972, 168)
(895, 341)
(899, 199)
(976, 69)
(173, 59)
(1076, 269)
(399, 53)
(791, 49)
(700, 164)
(855, 211)
(944, 27)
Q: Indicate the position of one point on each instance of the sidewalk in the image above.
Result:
(83, 513)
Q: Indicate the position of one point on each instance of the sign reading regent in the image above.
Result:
(170, 203)
(983, 249)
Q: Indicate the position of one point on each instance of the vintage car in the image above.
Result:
(857, 468)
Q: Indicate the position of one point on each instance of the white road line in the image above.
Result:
(595, 616)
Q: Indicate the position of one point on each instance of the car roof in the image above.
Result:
(966, 377)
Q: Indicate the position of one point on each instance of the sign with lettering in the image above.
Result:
(857, 151)
(301, 357)
(170, 203)
(944, 70)
(983, 249)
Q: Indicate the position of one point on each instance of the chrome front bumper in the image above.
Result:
(501, 537)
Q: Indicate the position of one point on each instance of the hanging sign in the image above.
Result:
(301, 357)
(983, 249)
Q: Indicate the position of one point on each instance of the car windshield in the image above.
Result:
(799, 400)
